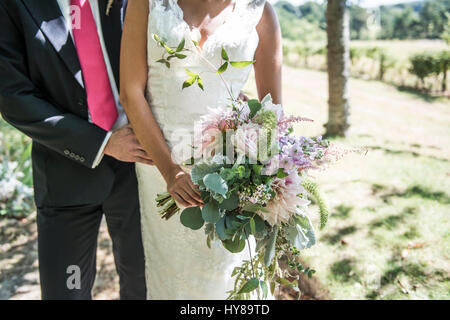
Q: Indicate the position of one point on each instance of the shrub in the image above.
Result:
(427, 64)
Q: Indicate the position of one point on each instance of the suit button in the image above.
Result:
(72, 155)
(77, 157)
(66, 152)
(82, 159)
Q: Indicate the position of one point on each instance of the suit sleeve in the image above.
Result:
(24, 107)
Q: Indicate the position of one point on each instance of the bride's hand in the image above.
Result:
(183, 190)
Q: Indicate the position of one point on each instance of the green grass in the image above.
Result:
(389, 231)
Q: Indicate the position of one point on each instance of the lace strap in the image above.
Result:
(250, 12)
(167, 4)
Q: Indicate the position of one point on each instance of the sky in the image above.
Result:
(366, 3)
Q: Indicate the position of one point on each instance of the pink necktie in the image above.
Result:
(100, 98)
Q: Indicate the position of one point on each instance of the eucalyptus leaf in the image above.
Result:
(211, 212)
(220, 229)
(180, 56)
(216, 183)
(204, 168)
(270, 248)
(231, 203)
(265, 289)
(301, 235)
(249, 286)
(236, 245)
(192, 218)
(260, 225)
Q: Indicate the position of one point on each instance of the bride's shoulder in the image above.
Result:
(268, 23)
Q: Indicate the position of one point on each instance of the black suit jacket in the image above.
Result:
(41, 94)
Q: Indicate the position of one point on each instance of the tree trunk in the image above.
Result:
(338, 30)
(444, 80)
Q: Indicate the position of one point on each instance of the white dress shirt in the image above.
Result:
(122, 118)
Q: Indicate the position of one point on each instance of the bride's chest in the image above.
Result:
(239, 42)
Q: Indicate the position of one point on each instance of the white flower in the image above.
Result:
(246, 140)
(267, 104)
(286, 202)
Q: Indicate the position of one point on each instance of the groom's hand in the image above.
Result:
(124, 146)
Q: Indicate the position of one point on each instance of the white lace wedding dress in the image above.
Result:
(179, 264)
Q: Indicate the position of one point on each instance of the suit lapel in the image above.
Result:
(112, 33)
(53, 26)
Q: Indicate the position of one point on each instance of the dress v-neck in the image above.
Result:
(191, 28)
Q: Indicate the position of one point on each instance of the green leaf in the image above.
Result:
(257, 169)
(234, 246)
(156, 37)
(265, 289)
(281, 174)
(252, 226)
(249, 286)
(211, 212)
(220, 229)
(189, 82)
(270, 248)
(216, 183)
(181, 45)
(231, 203)
(225, 55)
(301, 235)
(204, 168)
(223, 68)
(260, 225)
(169, 50)
(254, 106)
(252, 207)
(190, 73)
(200, 83)
(192, 218)
(180, 56)
(241, 64)
(272, 287)
(162, 61)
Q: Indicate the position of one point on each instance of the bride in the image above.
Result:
(179, 264)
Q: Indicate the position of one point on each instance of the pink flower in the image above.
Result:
(212, 125)
(246, 140)
(286, 201)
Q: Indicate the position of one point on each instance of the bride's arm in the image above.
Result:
(133, 83)
(269, 56)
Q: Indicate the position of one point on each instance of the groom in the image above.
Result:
(59, 85)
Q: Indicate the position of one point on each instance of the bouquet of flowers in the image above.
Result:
(252, 172)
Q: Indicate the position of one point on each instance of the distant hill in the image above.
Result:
(416, 6)
(414, 20)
